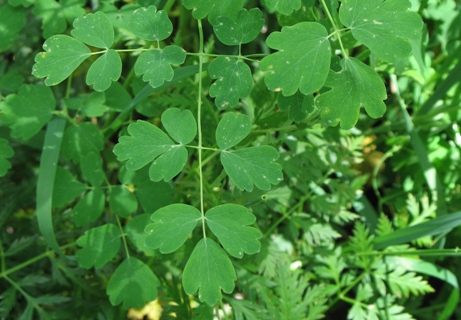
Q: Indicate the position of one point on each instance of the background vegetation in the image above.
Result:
(362, 226)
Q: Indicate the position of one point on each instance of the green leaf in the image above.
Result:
(57, 15)
(122, 201)
(148, 143)
(402, 283)
(180, 125)
(12, 20)
(89, 208)
(78, 141)
(145, 143)
(232, 129)
(24, 3)
(171, 227)
(151, 195)
(285, 7)
(28, 111)
(90, 105)
(213, 9)
(95, 30)
(303, 60)
(155, 65)
(104, 70)
(99, 246)
(255, 165)
(133, 284)
(63, 54)
(298, 105)
(168, 165)
(91, 165)
(234, 81)
(247, 27)
(117, 97)
(383, 26)
(208, 270)
(6, 152)
(229, 222)
(135, 230)
(356, 86)
(66, 188)
(148, 24)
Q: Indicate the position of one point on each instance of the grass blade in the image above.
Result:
(435, 226)
(47, 172)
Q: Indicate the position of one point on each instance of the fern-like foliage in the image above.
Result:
(291, 297)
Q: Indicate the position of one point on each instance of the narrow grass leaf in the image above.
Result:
(46, 179)
(436, 226)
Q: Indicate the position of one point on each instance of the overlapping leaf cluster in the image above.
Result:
(305, 72)
(63, 53)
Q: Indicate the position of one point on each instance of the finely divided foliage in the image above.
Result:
(229, 143)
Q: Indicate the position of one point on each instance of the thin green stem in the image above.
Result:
(125, 245)
(4, 273)
(342, 294)
(337, 30)
(29, 298)
(199, 123)
(286, 128)
(203, 148)
(209, 55)
(209, 158)
(2, 257)
(167, 7)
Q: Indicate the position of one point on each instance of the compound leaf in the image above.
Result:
(285, 7)
(171, 227)
(303, 60)
(234, 81)
(298, 105)
(214, 9)
(6, 152)
(229, 222)
(78, 141)
(169, 164)
(89, 208)
(12, 20)
(208, 270)
(94, 29)
(255, 165)
(356, 86)
(180, 125)
(28, 111)
(383, 26)
(155, 65)
(122, 201)
(133, 284)
(148, 143)
(104, 70)
(232, 129)
(244, 30)
(63, 54)
(148, 24)
(99, 246)
(145, 143)
(57, 15)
